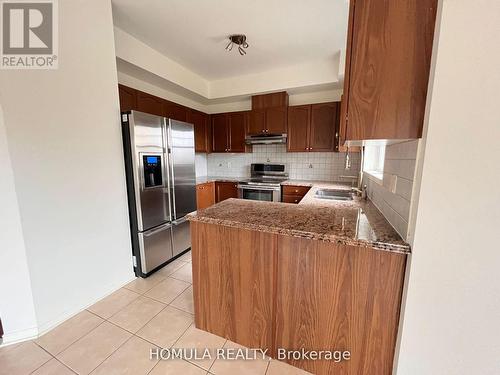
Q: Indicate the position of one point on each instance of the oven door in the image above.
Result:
(259, 193)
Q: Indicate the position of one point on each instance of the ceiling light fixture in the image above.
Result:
(240, 40)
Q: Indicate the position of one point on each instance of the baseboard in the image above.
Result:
(47, 326)
(41, 329)
(19, 336)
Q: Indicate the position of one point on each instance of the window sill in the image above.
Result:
(375, 176)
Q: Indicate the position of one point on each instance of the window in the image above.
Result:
(373, 160)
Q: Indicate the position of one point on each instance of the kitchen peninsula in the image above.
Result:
(318, 275)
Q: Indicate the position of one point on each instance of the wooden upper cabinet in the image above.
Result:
(201, 134)
(387, 68)
(220, 131)
(269, 114)
(237, 125)
(322, 133)
(128, 98)
(276, 120)
(299, 118)
(257, 122)
(228, 132)
(312, 127)
(149, 104)
(175, 111)
(225, 190)
(277, 99)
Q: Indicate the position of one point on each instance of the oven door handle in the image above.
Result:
(256, 187)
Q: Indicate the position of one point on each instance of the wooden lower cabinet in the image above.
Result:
(205, 195)
(233, 275)
(225, 190)
(286, 198)
(293, 193)
(338, 297)
(271, 291)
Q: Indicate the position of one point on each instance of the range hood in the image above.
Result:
(265, 139)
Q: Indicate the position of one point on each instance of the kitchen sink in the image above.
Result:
(334, 194)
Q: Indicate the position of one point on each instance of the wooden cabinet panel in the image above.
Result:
(277, 99)
(298, 128)
(225, 190)
(220, 131)
(295, 190)
(228, 131)
(175, 111)
(291, 198)
(233, 283)
(205, 195)
(128, 98)
(257, 121)
(329, 294)
(200, 123)
(237, 126)
(322, 133)
(386, 84)
(276, 120)
(149, 104)
(293, 193)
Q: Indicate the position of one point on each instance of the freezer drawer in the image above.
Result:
(181, 236)
(155, 247)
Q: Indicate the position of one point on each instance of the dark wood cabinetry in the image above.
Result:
(220, 131)
(205, 195)
(225, 190)
(257, 121)
(299, 119)
(228, 131)
(312, 127)
(387, 68)
(175, 111)
(132, 99)
(150, 104)
(293, 193)
(202, 132)
(128, 98)
(323, 119)
(269, 114)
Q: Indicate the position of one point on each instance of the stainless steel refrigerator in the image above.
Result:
(161, 182)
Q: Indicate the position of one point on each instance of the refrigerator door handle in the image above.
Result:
(180, 221)
(171, 168)
(154, 231)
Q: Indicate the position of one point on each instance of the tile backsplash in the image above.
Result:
(325, 166)
(393, 194)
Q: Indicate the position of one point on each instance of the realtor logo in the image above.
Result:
(29, 31)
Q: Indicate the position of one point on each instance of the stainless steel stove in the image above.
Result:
(264, 183)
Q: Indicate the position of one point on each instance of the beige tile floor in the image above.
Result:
(115, 335)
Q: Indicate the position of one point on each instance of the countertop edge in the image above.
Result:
(398, 249)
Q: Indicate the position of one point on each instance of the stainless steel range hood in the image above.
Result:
(266, 139)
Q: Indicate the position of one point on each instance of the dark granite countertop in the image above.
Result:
(357, 222)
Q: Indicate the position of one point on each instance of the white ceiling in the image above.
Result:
(194, 33)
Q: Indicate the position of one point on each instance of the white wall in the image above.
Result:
(63, 132)
(16, 301)
(451, 321)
